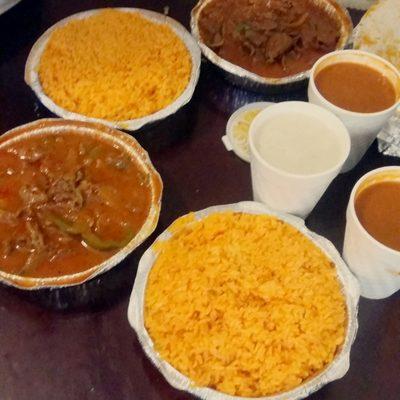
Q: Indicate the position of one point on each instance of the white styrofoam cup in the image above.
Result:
(363, 127)
(376, 266)
(288, 192)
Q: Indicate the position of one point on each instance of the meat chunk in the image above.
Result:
(36, 237)
(88, 189)
(308, 35)
(256, 38)
(8, 217)
(326, 36)
(217, 41)
(277, 45)
(64, 190)
(31, 194)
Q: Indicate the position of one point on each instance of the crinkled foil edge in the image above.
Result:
(32, 66)
(357, 4)
(389, 137)
(5, 7)
(334, 371)
(249, 80)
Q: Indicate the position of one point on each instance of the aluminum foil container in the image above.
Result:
(389, 137)
(249, 80)
(112, 136)
(33, 80)
(335, 370)
(5, 5)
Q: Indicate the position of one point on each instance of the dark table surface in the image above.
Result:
(86, 349)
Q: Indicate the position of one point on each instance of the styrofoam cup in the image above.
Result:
(376, 266)
(289, 192)
(363, 127)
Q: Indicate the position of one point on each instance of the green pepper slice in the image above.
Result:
(87, 236)
(62, 224)
(94, 241)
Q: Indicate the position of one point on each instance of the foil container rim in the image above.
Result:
(131, 146)
(32, 65)
(8, 5)
(350, 289)
(251, 77)
(389, 136)
(356, 4)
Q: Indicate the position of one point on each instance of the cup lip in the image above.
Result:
(254, 152)
(356, 53)
(352, 208)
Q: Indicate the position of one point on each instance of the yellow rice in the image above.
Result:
(244, 304)
(114, 65)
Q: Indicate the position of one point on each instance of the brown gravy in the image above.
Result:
(274, 38)
(355, 87)
(378, 209)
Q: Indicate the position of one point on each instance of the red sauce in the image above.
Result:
(67, 203)
(355, 87)
(378, 209)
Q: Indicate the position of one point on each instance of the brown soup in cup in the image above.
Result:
(378, 209)
(356, 87)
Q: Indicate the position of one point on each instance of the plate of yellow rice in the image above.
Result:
(241, 302)
(124, 67)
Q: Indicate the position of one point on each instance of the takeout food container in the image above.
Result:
(376, 265)
(252, 81)
(363, 127)
(290, 192)
(234, 142)
(333, 371)
(33, 80)
(379, 31)
(112, 136)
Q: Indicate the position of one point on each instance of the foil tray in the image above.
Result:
(111, 136)
(32, 76)
(251, 81)
(336, 370)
